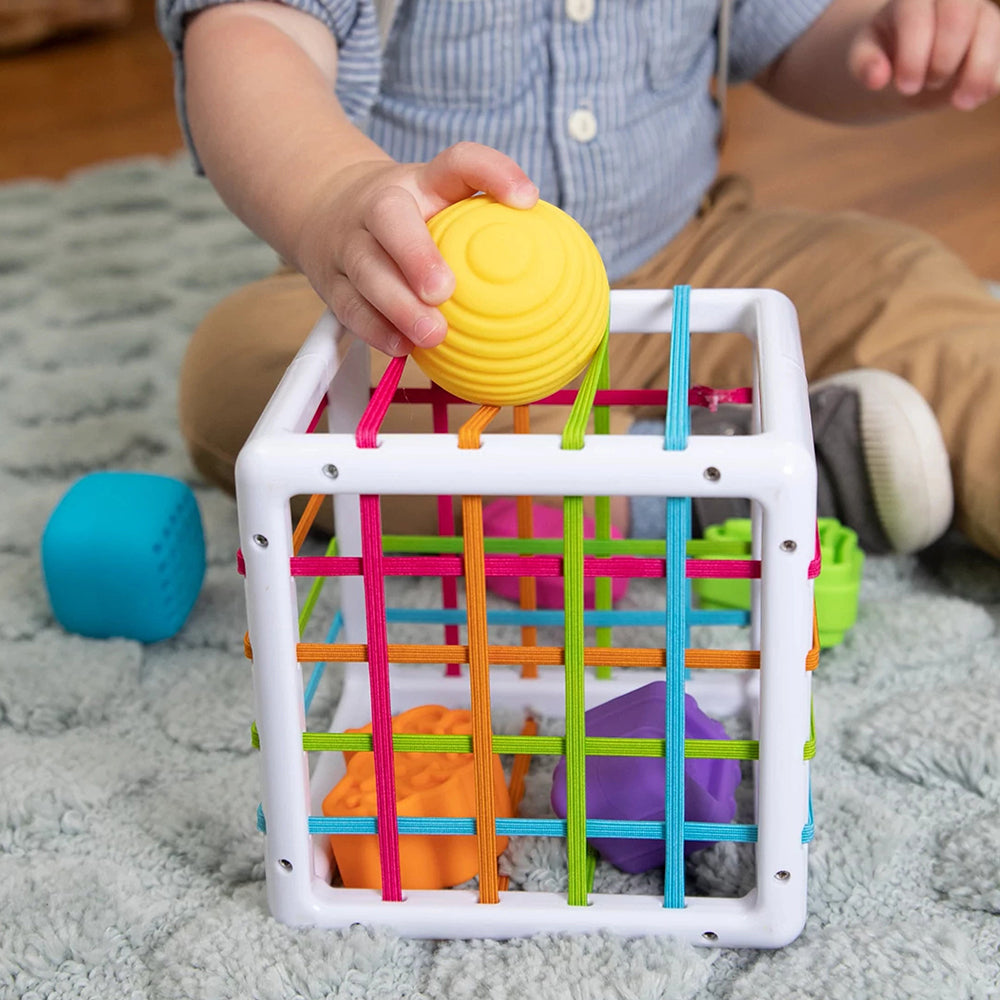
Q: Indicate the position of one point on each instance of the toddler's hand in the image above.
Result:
(367, 250)
(939, 51)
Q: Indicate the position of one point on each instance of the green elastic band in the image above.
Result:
(576, 425)
(811, 742)
(602, 517)
(575, 742)
(697, 548)
(314, 591)
(591, 868)
(452, 545)
(539, 746)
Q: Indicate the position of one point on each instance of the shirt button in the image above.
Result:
(582, 125)
(580, 10)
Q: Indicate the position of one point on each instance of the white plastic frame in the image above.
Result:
(774, 467)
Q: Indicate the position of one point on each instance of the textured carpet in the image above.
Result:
(129, 862)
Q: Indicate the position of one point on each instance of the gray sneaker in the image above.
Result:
(882, 467)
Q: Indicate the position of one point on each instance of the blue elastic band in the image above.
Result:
(612, 618)
(317, 672)
(675, 437)
(743, 833)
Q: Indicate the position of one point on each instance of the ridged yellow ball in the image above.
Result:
(530, 304)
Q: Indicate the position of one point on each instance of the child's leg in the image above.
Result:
(32, 22)
(233, 363)
(869, 293)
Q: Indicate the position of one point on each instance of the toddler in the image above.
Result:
(336, 128)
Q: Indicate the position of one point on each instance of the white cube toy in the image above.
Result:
(768, 685)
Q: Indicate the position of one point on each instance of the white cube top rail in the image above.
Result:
(358, 462)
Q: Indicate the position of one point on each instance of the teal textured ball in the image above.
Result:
(123, 554)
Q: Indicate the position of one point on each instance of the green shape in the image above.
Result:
(836, 587)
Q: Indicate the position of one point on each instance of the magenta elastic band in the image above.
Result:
(446, 527)
(320, 410)
(373, 572)
(698, 395)
(371, 419)
(445, 566)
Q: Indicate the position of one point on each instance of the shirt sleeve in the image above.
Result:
(353, 23)
(763, 29)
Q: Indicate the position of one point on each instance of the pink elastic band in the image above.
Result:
(373, 571)
(629, 567)
(817, 561)
(378, 674)
(698, 395)
(371, 419)
(703, 395)
(320, 410)
(446, 526)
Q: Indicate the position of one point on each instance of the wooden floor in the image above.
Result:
(107, 96)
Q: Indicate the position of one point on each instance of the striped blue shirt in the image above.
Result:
(604, 103)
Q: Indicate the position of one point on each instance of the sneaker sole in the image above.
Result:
(905, 455)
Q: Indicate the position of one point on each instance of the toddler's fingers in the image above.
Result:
(468, 167)
(867, 60)
(378, 280)
(979, 77)
(913, 27)
(956, 23)
(396, 222)
(363, 320)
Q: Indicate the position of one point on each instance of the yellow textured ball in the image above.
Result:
(530, 304)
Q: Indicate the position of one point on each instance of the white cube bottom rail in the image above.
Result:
(424, 765)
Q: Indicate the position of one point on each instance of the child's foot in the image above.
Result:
(500, 521)
(897, 437)
(882, 467)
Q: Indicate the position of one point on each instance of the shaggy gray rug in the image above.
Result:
(130, 866)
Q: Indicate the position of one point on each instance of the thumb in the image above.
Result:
(468, 167)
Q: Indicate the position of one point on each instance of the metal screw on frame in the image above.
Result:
(331, 471)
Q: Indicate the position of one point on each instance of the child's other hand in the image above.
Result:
(938, 51)
(367, 251)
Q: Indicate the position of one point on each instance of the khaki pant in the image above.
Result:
(869, 293)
